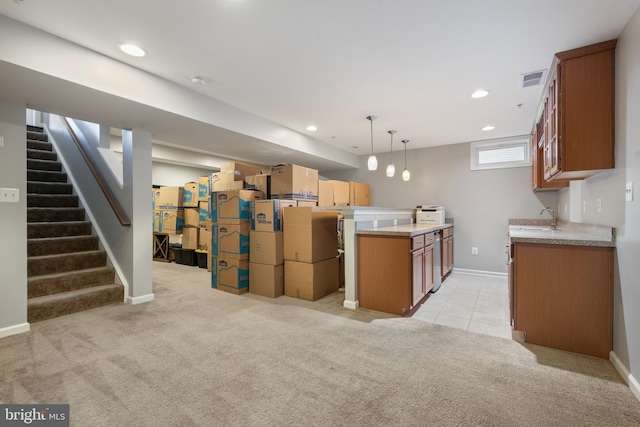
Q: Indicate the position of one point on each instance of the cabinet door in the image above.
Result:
(444, 256)
(512, 287)
(450, 255)
(428, 268)
(552, 128)
(418, 276)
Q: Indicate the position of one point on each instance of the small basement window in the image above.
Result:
(499, 154)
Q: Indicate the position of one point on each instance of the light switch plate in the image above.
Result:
(629, 192)
(9, 195)
(1, 141)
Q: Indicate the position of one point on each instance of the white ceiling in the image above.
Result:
(412, 63)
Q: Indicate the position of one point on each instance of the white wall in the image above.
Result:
(176, 175)
(480, 202)
(13, 220)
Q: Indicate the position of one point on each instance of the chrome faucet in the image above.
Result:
(553, 216)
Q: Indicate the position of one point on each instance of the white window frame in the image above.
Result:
(479, 146)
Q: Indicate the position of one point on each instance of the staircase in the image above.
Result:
(67, 272)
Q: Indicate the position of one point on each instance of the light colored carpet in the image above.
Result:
(200, 357)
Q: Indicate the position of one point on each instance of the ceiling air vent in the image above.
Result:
(532, 79)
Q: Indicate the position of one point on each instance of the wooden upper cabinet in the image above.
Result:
(539, 183)
(578, 113)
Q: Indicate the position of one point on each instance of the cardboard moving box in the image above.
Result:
(333, 193)
(203, 213)
(266, 280)
(203, 188)
(190, 195)
(311, 281)
(204, 239)
(239, 171)
(230, 275)
(359, 194)
(191, 217)
(266, 215)
(266, 247)
(190, 238)
(230, 240)
(310, 236)
(233, 206)
(170, 221)
(170, 198)
(294, 182)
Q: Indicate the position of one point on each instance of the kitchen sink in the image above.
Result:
(535, 228)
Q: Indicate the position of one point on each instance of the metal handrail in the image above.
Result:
(106, 190)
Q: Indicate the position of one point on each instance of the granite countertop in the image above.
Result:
(407, 230)
(567, 233)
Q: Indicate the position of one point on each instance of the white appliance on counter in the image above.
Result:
(430, 214)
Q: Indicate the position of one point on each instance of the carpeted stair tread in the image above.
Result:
(34, 144)
(37, 135)
(47, 284)
(61, 245)
(36, 230)
(52, 201)
(58, 263)
(55, 214)
(31, 128)
(46, 176)
(55, 305)
(44, 165)
(49, 187)
(41, 155)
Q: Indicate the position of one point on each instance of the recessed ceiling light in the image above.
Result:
(197, 80)
(132, 50)
(480, 93)
(488, 127)
(312, 128)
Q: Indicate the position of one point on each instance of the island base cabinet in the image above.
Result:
(562, 296)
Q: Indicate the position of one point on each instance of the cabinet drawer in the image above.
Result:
(428, 239)
(447, 232)
(417, 242)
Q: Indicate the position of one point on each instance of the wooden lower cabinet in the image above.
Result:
(562, 296)
(395, 273)
(446, 251)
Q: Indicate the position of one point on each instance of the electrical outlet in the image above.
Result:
(375, 223)
(9, 195)
(474, 251)
(628, 194)
(599, 205)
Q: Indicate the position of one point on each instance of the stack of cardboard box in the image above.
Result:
(191, 230)
(230, 213)
(341, 193)
(311, 267)
(168, 210)
(266, 267)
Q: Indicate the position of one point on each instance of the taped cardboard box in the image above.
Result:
(266, 247)
(221, 181)
(233, 206)
(169, 221)
(240, 171)
(203, 188)
(294, 182)
(190, 195)
(191, 217)
(204, 239)
(266, 215)
(310, 236)
(190, 238)
(260, 182)
(306, 203)
(230, 275)
(170, 198)
(230, 240)
(311, 281)
(333, 193)
(203, 213)
(156, 195)
(266, 280)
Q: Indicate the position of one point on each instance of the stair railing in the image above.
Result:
(108, 193)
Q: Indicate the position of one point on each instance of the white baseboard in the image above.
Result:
(350, 304)
(15, 330)
(480, 272)
(141, 299)
(625, 374)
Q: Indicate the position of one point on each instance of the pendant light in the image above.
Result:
(406, 175)
(372, 163)
(391, 168)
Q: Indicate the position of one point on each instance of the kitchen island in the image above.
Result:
(398, 265)
(561, 285)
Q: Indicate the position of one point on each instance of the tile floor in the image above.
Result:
(477, 304)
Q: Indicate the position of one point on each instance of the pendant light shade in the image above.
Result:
(406, 175)
(372, 163)
(391, 168)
